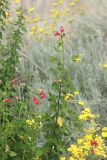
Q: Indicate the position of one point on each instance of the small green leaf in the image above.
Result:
(12, 154)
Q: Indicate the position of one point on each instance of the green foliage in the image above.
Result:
(3, 8)
(9, 52)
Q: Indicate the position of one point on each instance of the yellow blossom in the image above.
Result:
(72, 4)
(62, 158)
(68, 96)
(104, 132)
(41, 30)
(104, 65)
(30, 122)
(71, 158)
(86, 114)
(76, 92)
(59, 121)
(36, 19)
(16, 1)
(31, 9)
(81, 103)
(60, 1)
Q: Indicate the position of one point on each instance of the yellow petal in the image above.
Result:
(59, 121)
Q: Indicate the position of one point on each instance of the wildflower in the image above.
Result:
(94, 143)
(68, 96)
(62, 158)
(42, 94)
(7, 14)
(36, 101)
(81, 103)
(104, 65)
(30, 122)
(59, 121)
(8, 100)
(16, 1)
(36, 19)
(56, 34)
(41, 30)
(18, 13)
(14, 82)
(72, 4)
(31, 9)
(76, 92)
(71, 158)
(104, 132)
(62, 29)
(60, 1)
(86, 114)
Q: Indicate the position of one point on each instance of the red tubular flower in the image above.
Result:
(62, 29)
(35, 100)
(56, 33)
(8, 100)
(42, 94)
(14, 82)
(94, 143)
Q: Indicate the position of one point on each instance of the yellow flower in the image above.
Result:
(72, 4)
(76, 92)
(71, 158)
(86, 114)
(36, 19)
(34, 28)
(59, 121)
(60, 1)
(68, 96)
(30, 122)
(81, 103)
(67, 9)
(7, 14)
(104, 129)
(104, 132)
(80, 141)
(16, 1)
(31, 9)
(77, 59)
(62, 158)
(40, 125)
(41, 30)
(104, 65)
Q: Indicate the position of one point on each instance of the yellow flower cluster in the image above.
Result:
(87, 115)
(30, 122)
(68, 96)
(88, 145)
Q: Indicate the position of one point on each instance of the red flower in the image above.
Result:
(14, 82)
(8, 100)
(56, 33)
(62, 29)
(94, 143)
(42, 94)
(35, 100)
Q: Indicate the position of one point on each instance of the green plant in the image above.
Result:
(61, 117)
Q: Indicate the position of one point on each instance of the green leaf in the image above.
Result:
(12, 154)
